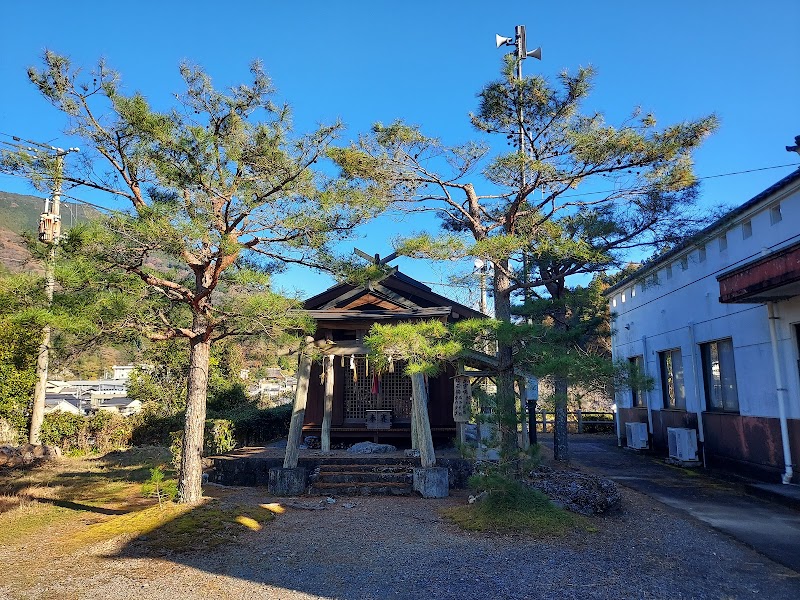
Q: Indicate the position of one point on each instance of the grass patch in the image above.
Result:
(512, 507)
(28, 518)
(74, 502)
(179, 527)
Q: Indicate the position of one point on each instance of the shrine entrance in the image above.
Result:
(365, 390)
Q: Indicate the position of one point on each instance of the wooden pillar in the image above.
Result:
(328, 408)
(414, 426)
(298, 413)
(523, 395)
(419, 408)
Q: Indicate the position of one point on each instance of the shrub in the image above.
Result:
(218, 438)
(101, 432)
(251, 426)
(509, 505)
(65, 430)
(158, 487)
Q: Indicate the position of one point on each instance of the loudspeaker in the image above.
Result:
(535, 53)
(502, 41)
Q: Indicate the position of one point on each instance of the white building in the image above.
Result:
(716, 324)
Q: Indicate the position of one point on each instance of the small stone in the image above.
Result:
(330, 500)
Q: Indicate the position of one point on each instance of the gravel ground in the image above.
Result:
(401, 548)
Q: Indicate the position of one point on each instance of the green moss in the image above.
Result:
(512, 507)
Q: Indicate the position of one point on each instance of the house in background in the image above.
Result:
(65, 403)
(716, 323)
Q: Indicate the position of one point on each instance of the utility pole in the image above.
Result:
(527, 403)
(521, 53)
(49, 233)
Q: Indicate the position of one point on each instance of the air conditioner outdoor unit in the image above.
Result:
(682, 444)
(636, 434)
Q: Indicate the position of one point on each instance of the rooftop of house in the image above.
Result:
(708, 231)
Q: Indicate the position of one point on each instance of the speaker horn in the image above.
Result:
(502, 41)
(535, 53)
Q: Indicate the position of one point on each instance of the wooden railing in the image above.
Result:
(577, 421)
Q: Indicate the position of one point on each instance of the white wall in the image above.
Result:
(662, 310)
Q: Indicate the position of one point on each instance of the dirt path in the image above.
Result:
(402, 548)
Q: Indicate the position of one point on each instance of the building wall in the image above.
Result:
(675, 304)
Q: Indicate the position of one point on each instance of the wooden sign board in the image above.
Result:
(462, 399)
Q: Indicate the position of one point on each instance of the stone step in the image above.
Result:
(368, 459)
(360, 489)
(363, 468)
(357, 477)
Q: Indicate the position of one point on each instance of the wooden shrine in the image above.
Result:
(361, 403)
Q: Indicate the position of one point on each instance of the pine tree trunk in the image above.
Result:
(560, 447)
(506, 401)
(561, 389)
(190, 476)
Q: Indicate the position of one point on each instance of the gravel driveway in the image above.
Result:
(401, 548)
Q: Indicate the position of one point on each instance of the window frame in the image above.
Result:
(707, 352)
(637, 399)
(672, 380)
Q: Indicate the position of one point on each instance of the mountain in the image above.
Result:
(19, 213)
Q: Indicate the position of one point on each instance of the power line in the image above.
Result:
(641, 189)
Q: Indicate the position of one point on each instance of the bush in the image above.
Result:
(509, 505)
(158, 487)
(101, 432)
(251, 426)
(218, 438)
(257, 427)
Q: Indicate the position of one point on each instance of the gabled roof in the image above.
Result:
(397, 293)
(720, 223)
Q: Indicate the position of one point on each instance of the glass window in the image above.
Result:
(723, 242)
(672, 385)
(684, 263)
(701, 254)
(719, 376)
(747, 230)
(638, 369)
(775, 215)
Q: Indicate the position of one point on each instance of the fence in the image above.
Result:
(577, 421)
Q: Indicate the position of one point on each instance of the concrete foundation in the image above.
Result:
(432, 482)
(287, 482)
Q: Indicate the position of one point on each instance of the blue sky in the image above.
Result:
(424, 62)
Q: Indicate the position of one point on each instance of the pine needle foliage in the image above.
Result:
(211, 197)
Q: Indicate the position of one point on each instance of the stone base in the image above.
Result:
(287, 482)
(432, 482)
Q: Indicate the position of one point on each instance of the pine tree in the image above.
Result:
(218, 193)
(578, 191)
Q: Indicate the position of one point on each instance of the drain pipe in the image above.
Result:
(782, 393)
(649, 394)
(615, 407)
(698, 392)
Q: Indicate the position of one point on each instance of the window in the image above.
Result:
(723, 242)
(633, 291)
(719, 376)
(775, 215)
(747, 229)
(684, 263)
(672, 387)
(636, 372)
(701, 254)
(669, 271)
